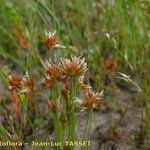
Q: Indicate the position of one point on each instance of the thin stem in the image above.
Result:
(57, 128)
(88, 124)
(72, 119)
(57, 123)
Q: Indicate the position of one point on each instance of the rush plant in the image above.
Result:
(67, 95)
(63, 80)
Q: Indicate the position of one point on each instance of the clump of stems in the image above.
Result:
(66, 79)
(63, 80)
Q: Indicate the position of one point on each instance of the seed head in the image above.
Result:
(91, 99)
(74, 67)
(52, 70)
(14, 82)
(50, 40)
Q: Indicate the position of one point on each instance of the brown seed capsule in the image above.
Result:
(74, 67)
(91, 99)
(52, 70)
(50, 40)
(14, 82)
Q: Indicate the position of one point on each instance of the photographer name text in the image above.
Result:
(45, 143)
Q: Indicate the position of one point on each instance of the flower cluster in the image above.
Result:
(24, 84)
(91, 99)
(52, 74)
(74, 67)
(14, 82)
(50, 40)
(64, 71)
(52, 70)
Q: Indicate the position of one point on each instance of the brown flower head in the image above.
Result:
(52, 70)
(27, 84)
(50, 40)
(91, 99)
(14, 82)
(74, 67)
(47, 82)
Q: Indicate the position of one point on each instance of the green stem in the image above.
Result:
(57, 124)
(72, 117)
(88, 124)
(57, 128)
